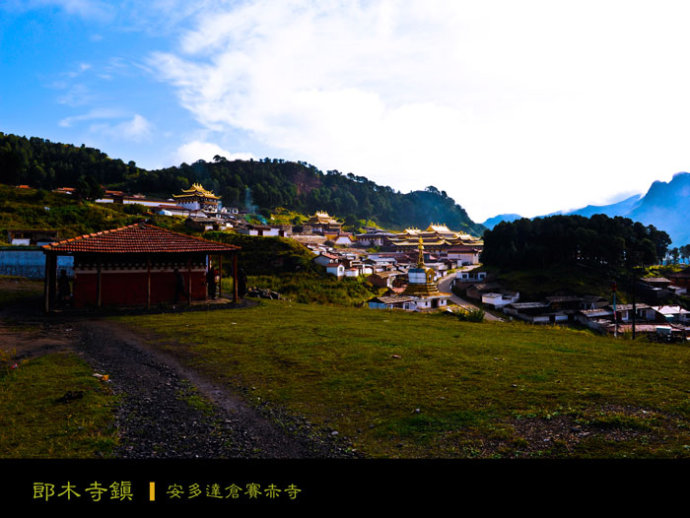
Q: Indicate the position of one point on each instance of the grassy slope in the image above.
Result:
(410, 385)
(537, 284)
(26, 209)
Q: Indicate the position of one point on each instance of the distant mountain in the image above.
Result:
(622, 208)
(492, 222)
(665, 206)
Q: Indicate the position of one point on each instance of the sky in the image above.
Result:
(526, 107)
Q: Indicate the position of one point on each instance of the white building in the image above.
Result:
(336, 269)
(498, 300)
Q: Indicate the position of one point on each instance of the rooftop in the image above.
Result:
(137, 238)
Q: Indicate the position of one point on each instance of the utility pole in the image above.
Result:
(631, 271)
(634, 308)
(615, 318)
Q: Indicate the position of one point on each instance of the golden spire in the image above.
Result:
(420, 258)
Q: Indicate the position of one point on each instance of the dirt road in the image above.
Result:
(158, 417)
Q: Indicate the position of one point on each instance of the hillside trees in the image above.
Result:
(599, 242)
(261, 186)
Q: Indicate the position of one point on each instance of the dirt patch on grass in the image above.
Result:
(592, 430)
(24, 341)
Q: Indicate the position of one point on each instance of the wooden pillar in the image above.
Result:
(220, 276)
(234, 274)
(99, 286)
(148, 282)
(49, 282)
(189, 282)
(208, 268)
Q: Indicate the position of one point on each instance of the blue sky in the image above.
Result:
(527, 107)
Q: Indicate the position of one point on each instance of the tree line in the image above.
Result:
(679, 252)
(257, 185)
(603, 243)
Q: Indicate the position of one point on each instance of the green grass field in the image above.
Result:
(53, 408)
(430, 386)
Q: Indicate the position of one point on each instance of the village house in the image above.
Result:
(500, 299)
(37, 237)
(392, 302)
(570, 303)
(533, 312)
(325, 258)
(477, 290)
(560, 309)
(463, 255)
(597, 319)
(624, 312)
(668, 333)
(668, 322)
(201, 224)
(386, 279)
(674, 314)
(261, 230)
(169, 209)
(136, 265)
(382, 262)
(335, 268)
(340, 238)
(470, 276)
(655, 290)
(373, 238)
(593, 302)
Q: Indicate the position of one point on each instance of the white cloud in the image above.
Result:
(111, 124)
(198, 150)
(94, 114)
(526, 107)
(138, 128)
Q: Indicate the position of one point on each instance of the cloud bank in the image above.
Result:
(529, 107)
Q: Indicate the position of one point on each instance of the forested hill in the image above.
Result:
(599, 242)
(261, 185)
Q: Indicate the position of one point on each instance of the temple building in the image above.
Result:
(435, 238)
(198, 198)
(421, 292)
(322, 223)
(136, 265)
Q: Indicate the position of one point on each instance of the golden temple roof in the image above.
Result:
(196, 190)
(434, 227)
(322, 217)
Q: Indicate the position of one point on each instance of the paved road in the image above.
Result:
(444, 285)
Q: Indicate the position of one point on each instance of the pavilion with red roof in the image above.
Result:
(136, 265)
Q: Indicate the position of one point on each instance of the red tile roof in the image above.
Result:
(138, 238)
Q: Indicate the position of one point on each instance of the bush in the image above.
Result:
(470, 315)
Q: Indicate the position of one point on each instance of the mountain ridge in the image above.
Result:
(663, 205)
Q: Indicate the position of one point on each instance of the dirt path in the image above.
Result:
(160, 415)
